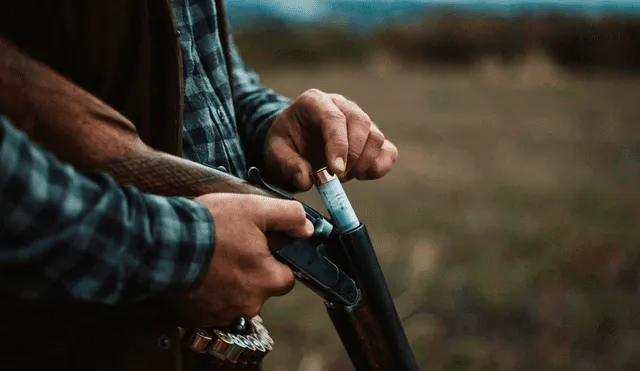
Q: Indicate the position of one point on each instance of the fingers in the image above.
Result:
(292, 165)
(281, 279)
(372, 150)
(286, 216)
(322, 111)
(354, 146)
(358, 128)
(383, 163)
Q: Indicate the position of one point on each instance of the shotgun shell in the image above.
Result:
(246, 343)
(257, 344)
(246, 355)
(256, 321)
(260, 330)
(258, 352)
(267, 345)
(221, 346)
(239, 347)
(267, 341)
(335, 200)
(199, 341)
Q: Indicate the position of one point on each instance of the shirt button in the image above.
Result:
(222, 168)
(178, 33)
(164, 342)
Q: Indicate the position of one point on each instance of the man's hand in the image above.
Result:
(243, 273)
(320, 129)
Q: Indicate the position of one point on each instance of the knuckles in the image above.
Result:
(360, 119)
(298, 215)
(288, 282)
(337, 140)
(339, 97)
(317, 98)
(393, 152)
(346, 112)
(377, 171)
(333, 114)
(301, 214)
(310, 97)
(377, 138)
(382, 167)
(282, 280)
(290, 164)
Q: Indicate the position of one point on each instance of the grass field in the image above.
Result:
(509, 228)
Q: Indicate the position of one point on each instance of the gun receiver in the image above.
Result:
(343, 269)
(339, 265)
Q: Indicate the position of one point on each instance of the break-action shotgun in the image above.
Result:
(339, 262)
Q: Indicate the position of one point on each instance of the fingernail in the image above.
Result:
(297, 179)
(339, 164)
(309, 228)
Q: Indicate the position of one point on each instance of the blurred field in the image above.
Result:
(598, 44)
(508, 230)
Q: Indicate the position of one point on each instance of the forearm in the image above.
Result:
(68, 237)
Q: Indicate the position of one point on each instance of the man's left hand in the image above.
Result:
(320, 129)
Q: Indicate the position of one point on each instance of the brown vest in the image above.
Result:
(126, 53)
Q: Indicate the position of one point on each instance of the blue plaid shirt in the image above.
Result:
(219, 128)
(66, 236)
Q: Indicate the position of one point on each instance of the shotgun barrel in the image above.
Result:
(339, 263)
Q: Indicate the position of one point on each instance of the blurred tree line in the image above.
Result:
(577, 43)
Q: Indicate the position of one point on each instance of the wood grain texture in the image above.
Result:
(167, 175)
(360, 333)
(83, 131)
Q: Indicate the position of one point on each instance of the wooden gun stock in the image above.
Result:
(90, 135)
(83, 131)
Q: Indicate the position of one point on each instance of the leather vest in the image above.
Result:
(125, 52)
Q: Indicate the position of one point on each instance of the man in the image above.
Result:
(70, 238)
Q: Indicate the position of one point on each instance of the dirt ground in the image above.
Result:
(508, 228)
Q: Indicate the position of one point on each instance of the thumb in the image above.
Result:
(292, 167)
(277, 215)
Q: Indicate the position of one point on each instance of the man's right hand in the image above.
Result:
(243, 273)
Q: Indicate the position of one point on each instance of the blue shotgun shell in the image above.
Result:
(335, 200)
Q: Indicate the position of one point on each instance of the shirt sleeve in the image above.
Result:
(255, 106)
(68, 237)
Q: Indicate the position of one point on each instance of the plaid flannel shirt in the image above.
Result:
(66, 236)
(220, 129)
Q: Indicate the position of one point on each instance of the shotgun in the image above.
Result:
(338, 263)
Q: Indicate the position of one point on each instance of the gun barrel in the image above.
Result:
(370, 330)
(380, 309)
(91, 135)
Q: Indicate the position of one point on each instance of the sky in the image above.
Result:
(304, 3)
(305, 10)
(319, 6)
